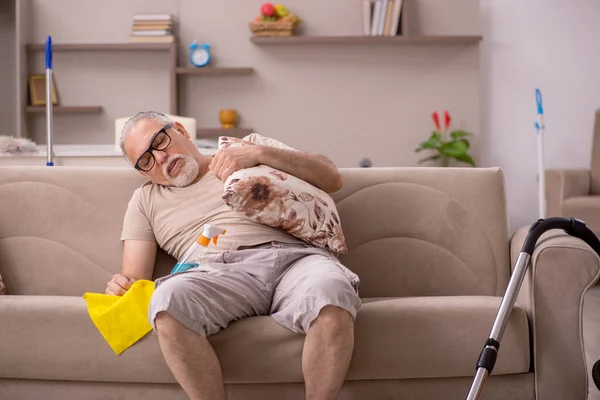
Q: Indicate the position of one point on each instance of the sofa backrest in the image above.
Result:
(410, 231)
(426, 231)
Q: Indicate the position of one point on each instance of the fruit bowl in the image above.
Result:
(275, 20)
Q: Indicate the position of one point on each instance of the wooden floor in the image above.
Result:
(591, 334)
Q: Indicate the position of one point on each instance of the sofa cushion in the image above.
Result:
(2, 286)
(396, 338)
(277, 199)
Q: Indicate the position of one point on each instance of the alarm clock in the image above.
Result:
(199, 54)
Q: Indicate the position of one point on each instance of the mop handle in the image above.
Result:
(49, 122)
(539, 125)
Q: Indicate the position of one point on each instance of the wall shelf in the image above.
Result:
(395, 40)
(203, 133)
(214, 71)
(65, 109)
(174, 72)
(101, 46)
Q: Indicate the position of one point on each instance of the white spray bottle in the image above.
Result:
(199, 247)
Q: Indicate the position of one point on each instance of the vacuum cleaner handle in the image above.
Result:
(571, 226)
(487, 357)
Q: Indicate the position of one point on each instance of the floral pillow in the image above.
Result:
(283, 201)
(2, 287)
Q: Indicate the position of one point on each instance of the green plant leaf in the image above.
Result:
(459, 134)
(466, 159)
(432, 143)
(454, 149)
(466, 142)
(430, 158)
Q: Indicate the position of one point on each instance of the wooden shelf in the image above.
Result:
(203, 133)
(101, 46)
(65, 109)
(367, 40)
(214, 71)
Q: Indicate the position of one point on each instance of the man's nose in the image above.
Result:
(160, 156)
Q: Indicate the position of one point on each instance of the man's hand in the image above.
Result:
(229, 160)
(119, 285)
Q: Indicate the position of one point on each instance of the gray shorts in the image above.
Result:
(290, 282)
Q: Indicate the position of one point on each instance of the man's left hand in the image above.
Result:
(229, 160)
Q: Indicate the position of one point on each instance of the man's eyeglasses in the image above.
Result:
(160, 141)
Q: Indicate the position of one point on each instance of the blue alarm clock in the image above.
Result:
(199, 54)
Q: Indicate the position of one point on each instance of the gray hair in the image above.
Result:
(133, 121)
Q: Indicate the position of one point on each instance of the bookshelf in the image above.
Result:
(101, 47)
(65, 109)
(369, 40)
(222, 71)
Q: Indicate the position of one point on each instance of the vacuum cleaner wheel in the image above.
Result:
(596, 374)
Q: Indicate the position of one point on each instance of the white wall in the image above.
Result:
(553, 45)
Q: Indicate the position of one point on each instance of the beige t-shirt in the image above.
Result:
(174, 218)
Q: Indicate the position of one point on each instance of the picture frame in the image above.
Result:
(37, 90)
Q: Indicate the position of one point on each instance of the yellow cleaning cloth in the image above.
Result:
(122, 320)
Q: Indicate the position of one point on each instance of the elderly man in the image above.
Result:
(257, 270)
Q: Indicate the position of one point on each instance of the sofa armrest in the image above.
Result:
(562, 184)
(561, 270)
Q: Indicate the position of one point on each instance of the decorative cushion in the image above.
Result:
(2, 287)
(283, 201)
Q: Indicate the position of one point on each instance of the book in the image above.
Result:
(377, 4)
(155, 27)
(152, 33)
(396, 28)
(153, 17)
(387, 29)
(381, 18)
(152, 39)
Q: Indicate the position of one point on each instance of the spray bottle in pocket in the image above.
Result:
(198, 249)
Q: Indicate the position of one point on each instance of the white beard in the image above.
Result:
(187, 173)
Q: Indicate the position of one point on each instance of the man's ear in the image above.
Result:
(182, 129)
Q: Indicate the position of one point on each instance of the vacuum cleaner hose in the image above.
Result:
(572, 226)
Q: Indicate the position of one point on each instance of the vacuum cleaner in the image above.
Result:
(489, 353)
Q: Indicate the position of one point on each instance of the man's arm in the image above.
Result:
(138, 263)
(315, 169)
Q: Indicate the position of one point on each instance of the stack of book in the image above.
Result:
(153, 28)
(382, 17)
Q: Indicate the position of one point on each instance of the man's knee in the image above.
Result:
(170, 307)
(333, 318)
(166, 324)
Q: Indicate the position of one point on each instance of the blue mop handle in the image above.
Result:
(539, 124)
(49, 122)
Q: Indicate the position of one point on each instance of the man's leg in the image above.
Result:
(318, 296)
(191, 359)
(327, 353)
(187, 308)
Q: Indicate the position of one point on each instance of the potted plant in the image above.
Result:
(445, 144)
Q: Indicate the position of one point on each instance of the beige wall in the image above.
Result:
(7, 68)
(348, 102)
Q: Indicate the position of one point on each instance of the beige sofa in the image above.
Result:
(575, 192)
(431, 246)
